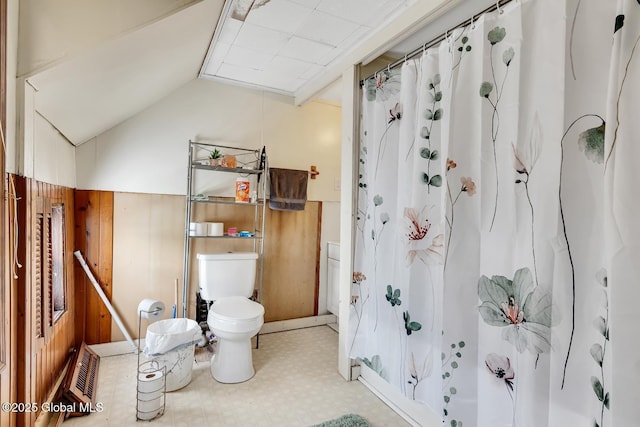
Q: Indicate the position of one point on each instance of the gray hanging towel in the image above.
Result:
(288, 189)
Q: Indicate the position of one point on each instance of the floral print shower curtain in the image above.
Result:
(497, 246)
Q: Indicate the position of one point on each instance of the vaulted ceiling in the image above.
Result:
(86, 93)
(294, 47)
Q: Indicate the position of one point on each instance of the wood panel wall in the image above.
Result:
(148, 254)
(292, 263)
(41, 359)
(291, 255)
(94, 239)
(8, 375)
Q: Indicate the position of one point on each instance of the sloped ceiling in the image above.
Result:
(96, 90)
(296, 47)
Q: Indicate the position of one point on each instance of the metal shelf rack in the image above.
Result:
(255, 165)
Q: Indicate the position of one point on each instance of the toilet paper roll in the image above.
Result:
(151, 309)
(150, 385)
(201, 229)
(216, 229)
(148, 410)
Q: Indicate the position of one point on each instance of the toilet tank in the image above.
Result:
(226, 274)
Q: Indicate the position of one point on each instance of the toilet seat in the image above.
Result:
(235, 314)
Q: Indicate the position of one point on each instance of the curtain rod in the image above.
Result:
(438, 39)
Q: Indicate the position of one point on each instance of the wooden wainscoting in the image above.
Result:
(292, 269)
(291, 255)
(94, 238)
(148, 254)
(43, 341)
(148, 238)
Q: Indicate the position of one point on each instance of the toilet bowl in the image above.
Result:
(227, 281)
(234, 320)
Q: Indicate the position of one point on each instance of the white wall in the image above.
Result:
(54, 158)
(148, 153)
(53, 30)
(44, 154)
(12, 64)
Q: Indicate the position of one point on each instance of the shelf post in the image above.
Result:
(187, 242)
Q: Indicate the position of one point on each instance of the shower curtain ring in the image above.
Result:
(498, 7)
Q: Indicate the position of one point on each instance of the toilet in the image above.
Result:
(227, 281)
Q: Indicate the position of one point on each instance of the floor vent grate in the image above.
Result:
(81, 382)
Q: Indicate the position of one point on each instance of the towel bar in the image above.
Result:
(314, 172)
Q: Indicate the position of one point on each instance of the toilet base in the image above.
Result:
(233, 361)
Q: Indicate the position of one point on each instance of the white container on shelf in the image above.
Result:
(215, 229)
(198, 228)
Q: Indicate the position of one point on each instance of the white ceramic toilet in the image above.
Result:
(227, 280)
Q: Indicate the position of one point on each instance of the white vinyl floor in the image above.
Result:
(296, 385)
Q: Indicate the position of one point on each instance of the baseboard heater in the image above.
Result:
(79, 387)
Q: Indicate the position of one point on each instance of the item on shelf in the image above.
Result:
(215, 158)
(242, 190)
(200, 229)
(232, 231)
(263, 161)
(229, 161)
(215, 229)
(245, 234)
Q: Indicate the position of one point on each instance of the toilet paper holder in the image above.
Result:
(151, 379)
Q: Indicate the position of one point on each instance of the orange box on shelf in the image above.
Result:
(242, 190)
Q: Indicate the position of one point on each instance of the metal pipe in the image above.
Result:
(105, 300)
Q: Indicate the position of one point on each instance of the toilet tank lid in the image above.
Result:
(229, 256)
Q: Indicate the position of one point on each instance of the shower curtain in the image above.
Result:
(497, 248)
